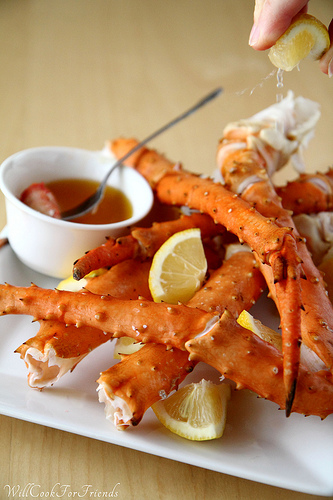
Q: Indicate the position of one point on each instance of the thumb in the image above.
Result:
(271, 19)
(257, 10)
(326, 62)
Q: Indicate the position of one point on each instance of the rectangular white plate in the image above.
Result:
(259, 442)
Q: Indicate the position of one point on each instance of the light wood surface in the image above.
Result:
(79, 72)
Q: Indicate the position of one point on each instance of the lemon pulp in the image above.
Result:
(305, 37)
(178, 268)
(246, 320)
(196, 412)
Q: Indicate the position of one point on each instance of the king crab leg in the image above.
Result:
(245, 171)
(310, 193)
(235, 351)
(274, 245)
(57, 348)
(142, 243)
(141, 319)
(130, 387)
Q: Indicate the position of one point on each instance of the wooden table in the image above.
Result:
(79, 72)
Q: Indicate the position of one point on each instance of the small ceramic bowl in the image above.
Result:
(48, 245)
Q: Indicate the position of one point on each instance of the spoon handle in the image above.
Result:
(173, 122)
(89, 204)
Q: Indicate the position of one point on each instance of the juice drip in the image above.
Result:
(279, 96)
(279, 76)
(258, 85)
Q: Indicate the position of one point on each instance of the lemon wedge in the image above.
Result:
(71, 285)
(178, 268)
(246, 320)
(305, 37)
(126, 345)
(197, 411)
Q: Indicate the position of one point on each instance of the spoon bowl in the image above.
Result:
(48, 245)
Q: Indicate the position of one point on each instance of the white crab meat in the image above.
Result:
(44, 369)
(116, 409)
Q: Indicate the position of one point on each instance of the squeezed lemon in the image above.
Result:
(305, 37)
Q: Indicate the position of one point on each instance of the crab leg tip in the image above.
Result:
(290, 398)
(76, 275)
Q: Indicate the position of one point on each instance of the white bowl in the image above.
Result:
(48, 245)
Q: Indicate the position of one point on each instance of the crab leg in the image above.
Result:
(317, 229)
(142, 243)
(126, 280)
(274, 245)
(141, 319)
(235, 351)
(130, 387)
(244, 170)
(3, 242)
(310, 193)
(58, 348)
(175, 186)
(140, 379)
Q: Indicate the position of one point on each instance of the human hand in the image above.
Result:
(273, 17)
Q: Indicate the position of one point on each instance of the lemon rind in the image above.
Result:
(206, 432)
(160, 293)
(316, 49)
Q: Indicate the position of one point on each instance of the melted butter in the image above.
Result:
(114, 207)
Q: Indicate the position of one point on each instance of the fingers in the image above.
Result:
(271, 19)
(326, 62)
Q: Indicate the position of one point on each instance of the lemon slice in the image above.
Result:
(246, 320)
(178, 268)
(306, 36)
(197, 411)
(71, 285)
(126, 345)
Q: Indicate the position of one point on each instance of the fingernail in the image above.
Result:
(330, 68)
(254, 35)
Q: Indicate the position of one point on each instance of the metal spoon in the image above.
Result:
(88, 204)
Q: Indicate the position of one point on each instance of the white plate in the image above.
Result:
(259, 442)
